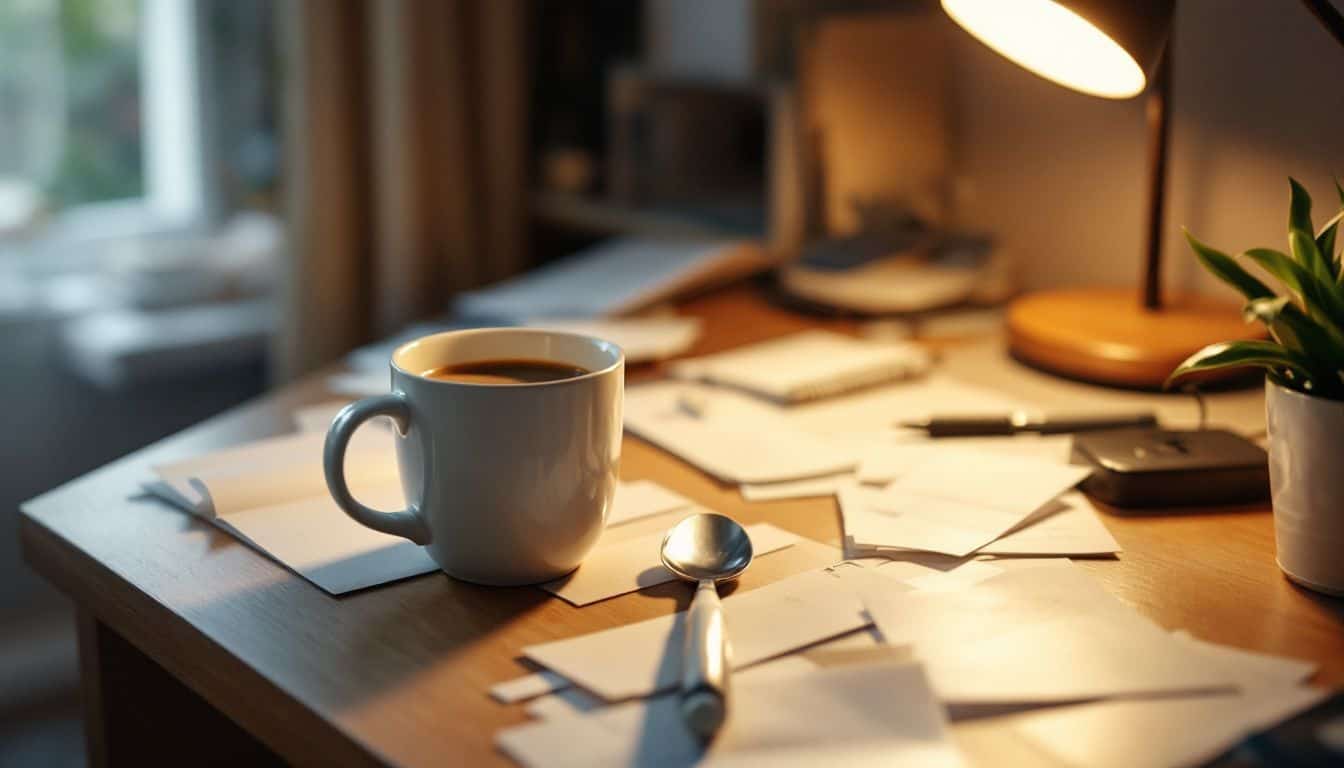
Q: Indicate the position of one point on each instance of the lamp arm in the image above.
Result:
(1328, 16)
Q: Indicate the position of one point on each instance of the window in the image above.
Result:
(100, 101)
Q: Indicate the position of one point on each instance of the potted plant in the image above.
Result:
(1304, 385)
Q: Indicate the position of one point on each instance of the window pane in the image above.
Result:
(70, 98)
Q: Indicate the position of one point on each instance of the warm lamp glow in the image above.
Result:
(1052, 41)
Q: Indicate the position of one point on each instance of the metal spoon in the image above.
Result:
(705, 548)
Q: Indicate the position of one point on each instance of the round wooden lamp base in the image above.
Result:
(1106, 336)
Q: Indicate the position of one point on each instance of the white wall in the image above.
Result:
(1060, 177)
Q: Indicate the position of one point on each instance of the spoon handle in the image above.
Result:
(704, 669)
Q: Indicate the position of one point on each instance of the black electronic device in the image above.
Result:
(1163, 468)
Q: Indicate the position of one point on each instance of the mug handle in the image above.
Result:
(408, 523)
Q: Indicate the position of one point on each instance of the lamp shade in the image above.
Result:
(1105, 48)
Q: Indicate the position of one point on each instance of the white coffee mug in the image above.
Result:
(506, 484)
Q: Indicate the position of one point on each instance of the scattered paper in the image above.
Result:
(863, 412)
(527, 687)
(730, 435)
(887, 456)
(566, 702)
(1181, 731)
(643, 498)
(880, 714)
(954, 502)
(274, 471)
(806, 365)
(645, 657)
(1036, 635)
(1252, 671)
(796, 489)
(626, 566)
(1069, 526)
(316, 539)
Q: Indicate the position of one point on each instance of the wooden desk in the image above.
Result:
(180, 622)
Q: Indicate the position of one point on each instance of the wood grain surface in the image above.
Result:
(399, 674)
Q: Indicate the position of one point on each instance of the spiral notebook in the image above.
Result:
(807, 366)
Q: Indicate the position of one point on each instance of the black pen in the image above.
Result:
(970, 425)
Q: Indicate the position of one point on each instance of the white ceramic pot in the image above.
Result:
(1306, 479)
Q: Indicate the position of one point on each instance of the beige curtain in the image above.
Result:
(405, 177)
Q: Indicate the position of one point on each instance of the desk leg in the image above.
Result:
(137, 714)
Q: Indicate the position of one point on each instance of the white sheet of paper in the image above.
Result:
(729, 435)
(1068, 526)
(280, 469)
(643, 498)
(863, 412)
(796, 489)
(314, 538)
(566, 702)
(1179, 731)
(954, 501)
(887, 456)
(881, 714)
(1042, 634)
(527, 687)
(1252, 671)
(630, 565)
(639, 659)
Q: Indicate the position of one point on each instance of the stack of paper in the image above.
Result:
(807, 366)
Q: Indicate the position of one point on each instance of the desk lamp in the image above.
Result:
(1113, 49)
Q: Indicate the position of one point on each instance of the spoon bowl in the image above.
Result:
(707, 546)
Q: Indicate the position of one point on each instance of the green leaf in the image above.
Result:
(1308, 255)
(1299, 207)
(1320, 346)
(1340, 190)
(1321, 300)
(1325, 242)
(1226, 268)
(1241, 354)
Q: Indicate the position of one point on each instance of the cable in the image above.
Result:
(1201, 404)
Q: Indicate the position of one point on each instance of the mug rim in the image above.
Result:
(597, 341)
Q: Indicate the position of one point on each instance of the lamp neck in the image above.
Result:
(1328, 16)
(1159, 130)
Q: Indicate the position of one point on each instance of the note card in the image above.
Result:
(1068, 526)
(272, 495)
(729, 435)
(630, 565)
(954, 501)
(643, 498)
(1045, 634)
(1174, 731)
(868, 715)
(645, 657)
